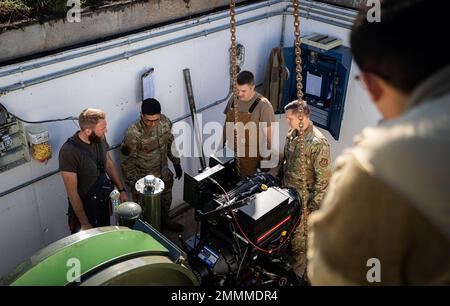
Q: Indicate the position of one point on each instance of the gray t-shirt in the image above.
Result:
(72, 159)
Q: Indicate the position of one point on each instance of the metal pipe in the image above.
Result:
(283, 13)
(42, 177)
(329, 8)
(228, 96)
(127, 41)
(331, 15)
(354, 4)
(191, 100)
(128, 54)
(324, 20)
(283, 29)
(123, 42)
(14, 189)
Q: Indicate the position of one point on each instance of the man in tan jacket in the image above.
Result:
(386, 217)
(255, 118)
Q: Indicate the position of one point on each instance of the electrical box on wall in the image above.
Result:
(325, 76)
(39, 142)
(13, 144)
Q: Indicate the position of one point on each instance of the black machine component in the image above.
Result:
(245, 227)
(221, 169)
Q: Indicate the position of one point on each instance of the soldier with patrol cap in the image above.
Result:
(145, 149)
(317, 171)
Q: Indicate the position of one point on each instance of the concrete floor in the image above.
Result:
(190, 226)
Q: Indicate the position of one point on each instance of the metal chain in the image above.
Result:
(234, 82)
(298, 69)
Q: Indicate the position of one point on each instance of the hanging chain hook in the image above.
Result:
(234, 82)
(298, 69)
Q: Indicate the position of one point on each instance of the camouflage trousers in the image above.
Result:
(298, 245)
(299, 242)
(166, 197)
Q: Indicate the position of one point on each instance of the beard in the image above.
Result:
(94, 138)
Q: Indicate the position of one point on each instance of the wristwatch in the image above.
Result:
(121, 190)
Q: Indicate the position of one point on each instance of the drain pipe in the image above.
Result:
(134, 39)
(353, 4)
(283, 29)
(195, 126)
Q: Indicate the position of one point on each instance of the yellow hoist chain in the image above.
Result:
(298, 62)
(298, 69)
(234, 82)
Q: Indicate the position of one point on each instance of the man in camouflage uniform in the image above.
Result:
(145, 148)
(317, 171)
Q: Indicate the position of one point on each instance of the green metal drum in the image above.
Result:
(147, 270)
(102, 256)
(150, 189)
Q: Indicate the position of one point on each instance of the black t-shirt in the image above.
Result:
(72, 159)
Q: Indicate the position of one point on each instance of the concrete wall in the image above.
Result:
(34, 216)
(110, 20)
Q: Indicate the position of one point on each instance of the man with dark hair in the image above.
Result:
(317, 171)
(145, 148)
(256, 115)
(386, 217)
(84, 162)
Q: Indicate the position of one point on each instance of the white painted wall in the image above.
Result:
(35, 216)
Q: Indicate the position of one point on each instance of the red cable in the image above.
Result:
(245, 236)
(257, 247)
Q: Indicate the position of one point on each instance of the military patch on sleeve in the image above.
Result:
(326, 151)
(323, 162)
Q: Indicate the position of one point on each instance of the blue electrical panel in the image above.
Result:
(325, 79)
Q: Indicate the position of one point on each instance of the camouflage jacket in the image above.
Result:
(145, 150)
(318, 164)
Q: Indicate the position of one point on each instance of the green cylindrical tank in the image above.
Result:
(102, 256)
(150, 189)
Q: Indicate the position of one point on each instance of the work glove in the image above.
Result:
(178, 171)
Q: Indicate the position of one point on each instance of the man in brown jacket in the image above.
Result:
(255, 118)
(386, 217)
